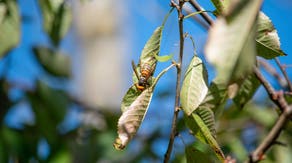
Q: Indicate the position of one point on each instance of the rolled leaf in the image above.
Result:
(134, 107)
(132, 118)
(195, 86)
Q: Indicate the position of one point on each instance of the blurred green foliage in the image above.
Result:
(239, 130)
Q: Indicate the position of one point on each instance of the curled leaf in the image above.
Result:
(134, 106)
(132, 117)
(194, 87)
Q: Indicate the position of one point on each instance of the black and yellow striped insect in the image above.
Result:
(146, 71)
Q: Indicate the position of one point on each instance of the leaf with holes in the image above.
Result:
(9, 26)
(268, 42)
(231, 43)
(134, 107)
(195, 86)
(246, 90)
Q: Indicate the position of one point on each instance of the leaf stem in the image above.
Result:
(178, 80)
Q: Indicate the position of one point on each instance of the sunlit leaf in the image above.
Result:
(246, 90)
(9, 26)
(53, 62)
(56, 18)
(202, 132)
(134, 110)
(268, 42)
(231, 43)
(196, 156)
(195, 86)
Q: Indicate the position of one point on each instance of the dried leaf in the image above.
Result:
(134, 107)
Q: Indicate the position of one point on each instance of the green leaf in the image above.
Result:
(221, 5)
(216, 96)
(246, 90)
(130, 97)
(196, 156)
(53, 62)
(231, 43)
(163, 58)
(134, 107)
(194, 87)
(56, 18)
(268, 42)
(202, 132)
(208, 118)
(49, 106)
(9, 26)
(151, 48)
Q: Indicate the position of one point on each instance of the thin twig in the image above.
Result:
(272, 71)
(204, 15)
(197, 19)
(178, 80)
(279, 100)
(284, 73)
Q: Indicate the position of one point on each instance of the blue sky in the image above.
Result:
(144, 17)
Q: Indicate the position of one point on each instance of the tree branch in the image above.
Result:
(279, 100)
(173, 133)
(271, 70)
(284, 73)
(204, 15)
